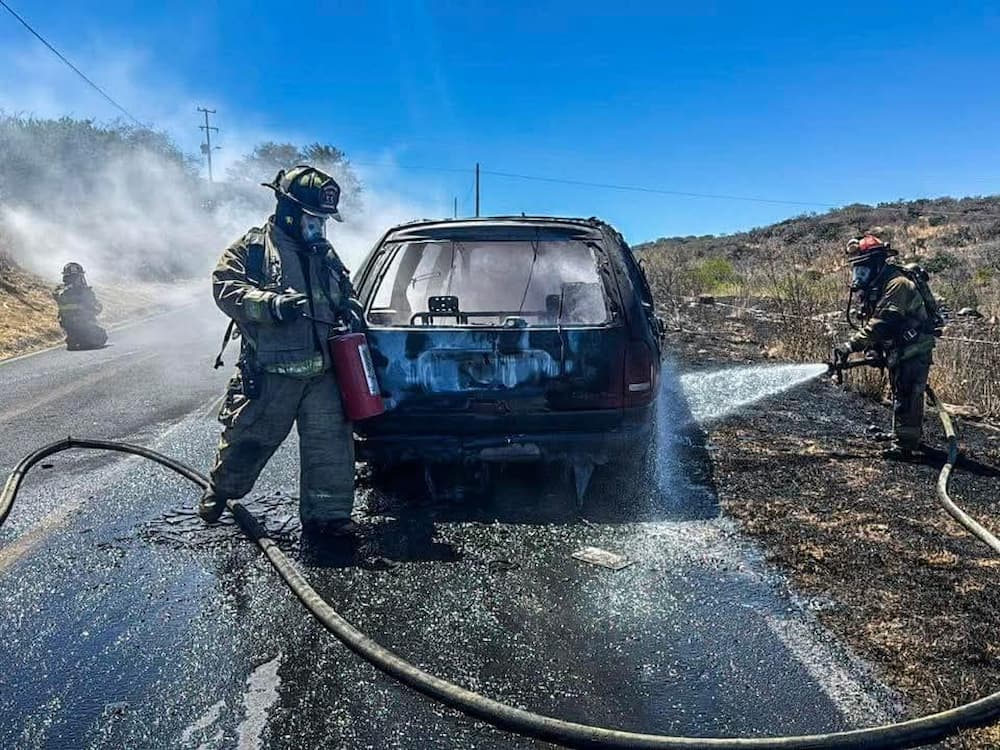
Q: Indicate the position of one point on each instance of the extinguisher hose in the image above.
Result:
(906, 734)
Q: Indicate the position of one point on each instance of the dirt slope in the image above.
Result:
(27, 311)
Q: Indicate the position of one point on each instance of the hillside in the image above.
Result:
(785, 285)
(956, 239)
(27, 311)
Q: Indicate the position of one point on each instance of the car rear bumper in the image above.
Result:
(631, 433)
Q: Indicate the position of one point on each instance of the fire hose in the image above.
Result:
(905, 734)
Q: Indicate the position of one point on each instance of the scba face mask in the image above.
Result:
(312, 228)
(861, 276)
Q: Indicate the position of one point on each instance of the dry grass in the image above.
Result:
(796, 314)
(27, 312)
(965, 372)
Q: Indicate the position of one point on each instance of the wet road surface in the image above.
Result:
(126, 623)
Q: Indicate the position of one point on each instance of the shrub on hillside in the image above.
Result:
(712, 276)
(941, 262)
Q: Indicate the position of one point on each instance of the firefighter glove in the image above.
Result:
(354, 315)
(288, 306)
(843, 350)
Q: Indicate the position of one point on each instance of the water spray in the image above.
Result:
(742, 386)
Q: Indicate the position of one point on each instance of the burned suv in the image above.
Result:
(509, 339)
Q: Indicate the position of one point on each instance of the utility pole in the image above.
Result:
(456, 208)
(477, 189)
(206, 147)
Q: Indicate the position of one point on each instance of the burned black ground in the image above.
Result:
(861, 538)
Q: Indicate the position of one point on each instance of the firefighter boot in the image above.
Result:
(899, 452)
(333, 529)
(211, 506)
(345, 528)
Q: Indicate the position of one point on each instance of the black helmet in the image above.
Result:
(73, 274)
(308, 189)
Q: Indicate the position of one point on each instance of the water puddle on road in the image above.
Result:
(259, 697)
(261, 694)
(198, 728)
(716, 394)
(182, 528)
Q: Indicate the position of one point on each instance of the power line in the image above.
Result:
(390, 165)
(658, 191)
(75, 69)
(682, 193)
(494, 173)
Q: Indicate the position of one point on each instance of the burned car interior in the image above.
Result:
(518, 281)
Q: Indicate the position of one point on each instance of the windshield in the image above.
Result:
(489, 283)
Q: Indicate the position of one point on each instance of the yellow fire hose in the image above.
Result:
(906, 734)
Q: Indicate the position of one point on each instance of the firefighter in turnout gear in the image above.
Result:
(78, 310)
(899, 321)
(285, 289)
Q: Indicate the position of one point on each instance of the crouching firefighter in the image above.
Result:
(899, 321)
(286, 290)
(78, 310)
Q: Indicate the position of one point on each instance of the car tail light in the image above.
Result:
(640, 374)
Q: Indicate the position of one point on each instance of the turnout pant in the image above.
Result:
(909, 382)
(83, 333)
(254, 428)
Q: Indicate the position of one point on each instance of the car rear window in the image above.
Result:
(519, 283)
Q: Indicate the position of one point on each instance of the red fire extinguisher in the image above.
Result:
(352, 361)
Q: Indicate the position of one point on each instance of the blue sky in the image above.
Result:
(825, 104)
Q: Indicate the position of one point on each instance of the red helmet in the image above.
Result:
(860, 249)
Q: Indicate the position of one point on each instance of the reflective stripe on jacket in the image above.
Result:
(76, 300)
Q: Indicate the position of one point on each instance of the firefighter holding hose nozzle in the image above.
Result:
(286, 290)
(899, 321)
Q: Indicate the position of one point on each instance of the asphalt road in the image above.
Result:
(126, 623)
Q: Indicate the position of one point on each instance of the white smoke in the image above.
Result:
(379, 209)
(145, 217)
(138, 213)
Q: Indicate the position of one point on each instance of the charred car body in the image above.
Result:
(509, 339)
